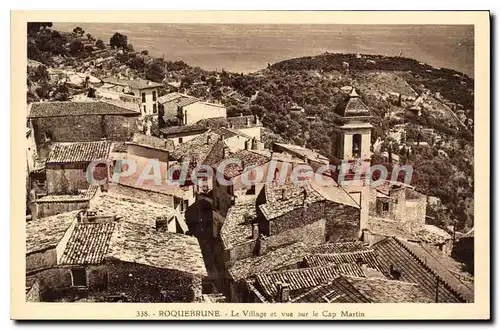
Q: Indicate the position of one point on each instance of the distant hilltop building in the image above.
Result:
(145, 89)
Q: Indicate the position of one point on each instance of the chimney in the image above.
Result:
(248, 121)
(255, 145)
(161, 223)
(304, 196)
(255, 231)
(284, 194)
(261, 245)
(257, 120)
(208, 138)
(284, 293)
(247, 145)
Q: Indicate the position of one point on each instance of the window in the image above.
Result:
(143, 97)
(79, 277)
(144, 109)
(154, 96)
(180, 140)
(385, 207)
(48, 136)
(251, 191)
(356, 145)
(154, 108)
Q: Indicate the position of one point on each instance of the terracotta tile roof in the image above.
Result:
(173, 96)
(301, 152)
(440, 269)
(241, 121)
(280, 258)
(134, 84)
(213, 123)
(73, 152)
(88, 244)
(152, 142)
(120, 147)
(330, 190)
(66, 108)
(393, 251)
(84, 196)
(196, 149)
(136, 243)
(389, 228)
(341, 247)
(367, 257)
(45, 233)
(303, 279)
(237, 122)
(130, 209)
(245, 159)
(432, 235)
(186, 130)
(352, 106)
(235, 229)
(227, 133)
(276, 206)
(348, 289)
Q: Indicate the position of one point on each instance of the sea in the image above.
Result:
(250, 47)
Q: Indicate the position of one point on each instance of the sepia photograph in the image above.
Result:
(272, 163)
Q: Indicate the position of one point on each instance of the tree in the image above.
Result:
(136, 63)
(155, 71)
(118, 40)
(144, 52)
(76, 47)
(34, 27)
(78, 31)
(130, 47)
(89, 49)
(90, 37)
(100, 44)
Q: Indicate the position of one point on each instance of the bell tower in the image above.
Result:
(354, 128)
(353, 141)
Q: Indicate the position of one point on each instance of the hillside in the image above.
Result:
(390, 86)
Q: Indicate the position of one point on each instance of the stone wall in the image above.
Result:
(150, 284)
(147, 152)
(342, 222)
(311, 234)
(81, 128)
(41, 260)
(66, 179)
(147, 195)
(45, 209)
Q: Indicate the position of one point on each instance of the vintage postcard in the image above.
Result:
(250, 165)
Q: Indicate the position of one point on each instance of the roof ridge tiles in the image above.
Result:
(429, 269)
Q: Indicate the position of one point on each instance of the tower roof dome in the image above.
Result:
(352, 106)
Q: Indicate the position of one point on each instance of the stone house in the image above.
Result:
(145, 89)
(181, 110)
(247, 125)
(293, 206)
(67, 166)
(99, 257)
(398, 202)
(79, 122)
(168, 108)
(192, 113)
(55, 204)
(182, 134)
